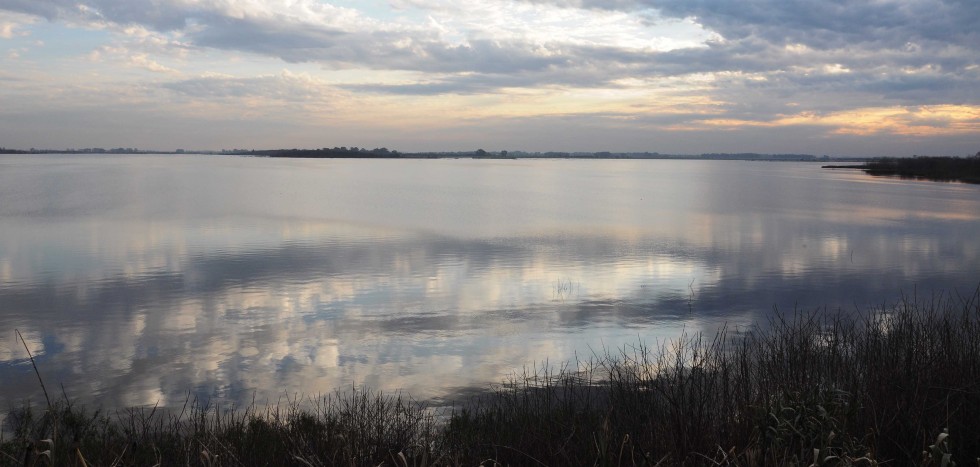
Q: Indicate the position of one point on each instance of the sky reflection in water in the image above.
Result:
(138, 279)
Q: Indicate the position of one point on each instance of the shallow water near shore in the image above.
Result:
(136, 280)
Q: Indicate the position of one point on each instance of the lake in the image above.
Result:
(146, 279)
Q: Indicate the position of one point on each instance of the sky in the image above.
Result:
(837, 77)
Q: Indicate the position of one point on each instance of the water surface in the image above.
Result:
(142, 279)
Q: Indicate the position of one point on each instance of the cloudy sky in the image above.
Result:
(839, 77)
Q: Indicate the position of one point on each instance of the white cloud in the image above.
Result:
(143, 61)
(508, 20)
(12, 24)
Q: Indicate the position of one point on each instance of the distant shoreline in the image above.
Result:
(384, 153)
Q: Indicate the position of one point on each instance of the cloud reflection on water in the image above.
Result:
(314, 317)
(135, 313)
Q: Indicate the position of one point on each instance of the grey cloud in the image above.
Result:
(157, 15)
(858, 88)
(834, 24)
(896, 87)
(932, 89)
(291, 42)
(296, 43)
(819, 24)
(49, 10)
(283, 87)
(860, 34)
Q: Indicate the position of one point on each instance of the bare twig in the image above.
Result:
(38, 373)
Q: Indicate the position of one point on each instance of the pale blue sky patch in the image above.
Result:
(61, 42)
(385, 10)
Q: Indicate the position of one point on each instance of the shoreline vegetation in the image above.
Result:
(952, 169)
(895, 385)
(942, 168)
(385, 153)
(931, 168)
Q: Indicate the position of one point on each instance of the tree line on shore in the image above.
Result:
(344, 152)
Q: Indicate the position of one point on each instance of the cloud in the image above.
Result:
(12, 24)
(7, 30)
(793, 38)
(940, 120)
(161, 15)
(285, 87)
(142, 61)
(500, 36)
(756, 62)
(834, 24)
(496, 82)
(823, 25)
(670, 36)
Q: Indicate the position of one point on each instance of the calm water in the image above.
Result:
(141, 279)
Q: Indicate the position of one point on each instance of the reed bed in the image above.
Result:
(897, 385)
(963, 169)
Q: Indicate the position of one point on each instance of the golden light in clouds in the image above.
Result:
(929, 120)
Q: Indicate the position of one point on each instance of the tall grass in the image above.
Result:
(858, 389)
(356, 428)
(898, 385)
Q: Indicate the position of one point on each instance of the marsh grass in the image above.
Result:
(355, 428)
(898, 385)
(964, 169)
